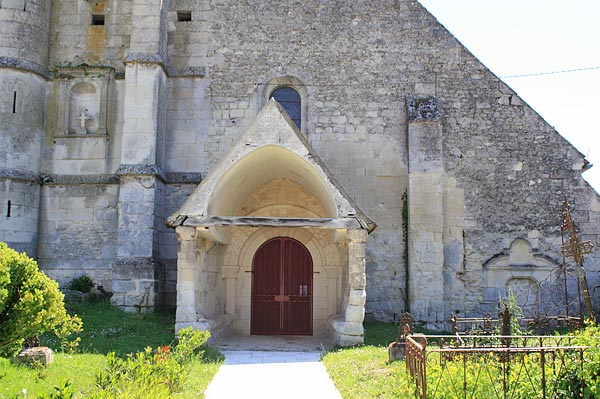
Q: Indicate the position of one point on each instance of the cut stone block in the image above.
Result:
(36, 355)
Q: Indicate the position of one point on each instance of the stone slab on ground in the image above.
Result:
(274, 343)
(39, 354)
(268, 374)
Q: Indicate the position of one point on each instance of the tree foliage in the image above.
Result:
(30, 303)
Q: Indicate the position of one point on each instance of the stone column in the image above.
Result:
(348, 329)
(425, 211)
(186, 277)
(144, 112)
(149, 28)
(230, 275)
(333, 276)
(134, 282)
(24, 44)
(141, 192)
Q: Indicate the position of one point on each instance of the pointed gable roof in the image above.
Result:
(271, 147)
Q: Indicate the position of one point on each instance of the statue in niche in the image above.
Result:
(83, 109)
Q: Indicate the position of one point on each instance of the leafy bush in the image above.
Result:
(156, 374)
(516, 313)
(82, 283)
(584, 382)
(30, 303)
(62, 391)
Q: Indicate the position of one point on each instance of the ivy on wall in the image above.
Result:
(405, 249)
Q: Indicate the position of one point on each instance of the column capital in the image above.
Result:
(185, 233)
(230, 271)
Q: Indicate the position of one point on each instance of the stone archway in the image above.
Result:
(327, 258)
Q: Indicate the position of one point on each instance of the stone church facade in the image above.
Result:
(139, 145)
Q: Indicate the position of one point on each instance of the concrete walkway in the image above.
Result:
(272, 375)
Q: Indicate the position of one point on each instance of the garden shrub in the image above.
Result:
(30, 303)
(82, 284)
(583, 382)
(155, 373)
(62, 391)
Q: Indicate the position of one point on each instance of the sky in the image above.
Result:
(522, 37)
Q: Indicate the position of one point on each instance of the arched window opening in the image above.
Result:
(290, 101)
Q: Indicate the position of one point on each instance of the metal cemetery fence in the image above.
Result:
(496, 367)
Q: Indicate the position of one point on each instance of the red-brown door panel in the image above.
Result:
(282, 288)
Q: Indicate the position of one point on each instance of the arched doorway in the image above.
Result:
(282, 275)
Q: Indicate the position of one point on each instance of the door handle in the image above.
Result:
(282, 298)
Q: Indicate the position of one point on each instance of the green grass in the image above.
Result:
(109, 329)
(203, 373)
(363, 372)
(79, 368)
(106, 329)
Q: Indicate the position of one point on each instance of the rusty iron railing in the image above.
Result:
(494, 367)
(487, 325)
(416, 362)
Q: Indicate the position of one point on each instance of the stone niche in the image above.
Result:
(82, 102)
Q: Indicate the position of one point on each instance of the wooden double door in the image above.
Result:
(282, 274)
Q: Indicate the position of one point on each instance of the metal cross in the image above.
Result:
(576, 249)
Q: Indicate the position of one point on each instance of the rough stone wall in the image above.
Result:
(358, 61)
(355, 62)
(22, 96)
(356, 109)
(78, 231)
(189, 119)
(24, 31)
(75, 40)
(21, 121)
(93, 153)
(19, 207)
(79, 212)
(24, 27)
(515, 171)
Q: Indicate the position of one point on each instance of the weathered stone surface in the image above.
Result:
(36, 355)
(348, 328)
(481, 167)
(357, 297)
(355, 314)
(73, 296)
(423, 108)
(349, 340)
(358, 281)
(396, 351)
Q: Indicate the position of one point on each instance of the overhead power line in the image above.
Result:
(550, 73)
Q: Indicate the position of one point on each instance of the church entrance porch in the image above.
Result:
(281, 289)
(270, 244)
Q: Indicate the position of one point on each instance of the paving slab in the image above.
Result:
(272, 374)
(277, 343)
